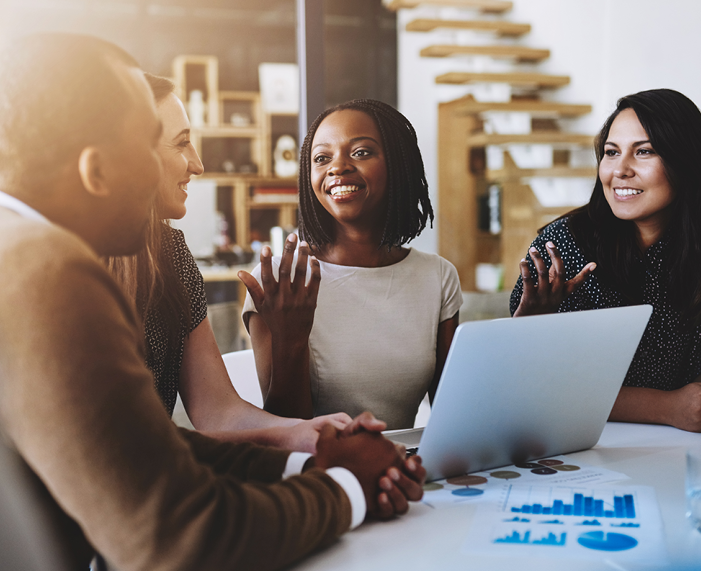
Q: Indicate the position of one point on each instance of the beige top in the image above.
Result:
(373, 343)
(78, 404)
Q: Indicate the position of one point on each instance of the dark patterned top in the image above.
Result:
(165, 361)
(669, 356)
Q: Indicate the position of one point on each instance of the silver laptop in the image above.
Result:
(522, 388)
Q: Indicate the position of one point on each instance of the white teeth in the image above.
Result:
(626, 191)
(182, 187)
(342, 190)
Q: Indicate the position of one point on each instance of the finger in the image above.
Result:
(557, 268)
(576, 282)
(410, 488)
(385, 510)
(301, 266)
(288, 254)
(414, 469)
(401, 449)
(398, 500)
(253, 287)
(542, 270)
(529, 287)
(367, 421)
(266, 270)
(315, 279)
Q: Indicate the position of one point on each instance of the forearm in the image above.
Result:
(289, 392)
(648, 406)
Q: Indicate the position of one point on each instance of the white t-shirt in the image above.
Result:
(373, 342)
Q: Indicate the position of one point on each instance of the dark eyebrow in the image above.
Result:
(636, 144)
(353, 140)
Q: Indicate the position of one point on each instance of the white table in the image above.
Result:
(428, 539)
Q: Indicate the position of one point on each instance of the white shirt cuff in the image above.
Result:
(295, 463)
(354, 491)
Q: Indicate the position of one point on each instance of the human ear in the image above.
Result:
(91, 170)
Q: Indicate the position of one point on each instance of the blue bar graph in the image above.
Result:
(588, 506)
(550, 539)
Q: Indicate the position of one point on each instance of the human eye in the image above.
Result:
(610, 152)
(362, 152)
(646, 151)
(184, 144)
(319, 159)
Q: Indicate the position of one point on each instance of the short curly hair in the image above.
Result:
(409, 206)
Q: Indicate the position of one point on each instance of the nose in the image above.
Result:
(194, 163)
(624, 167)
(339, 165)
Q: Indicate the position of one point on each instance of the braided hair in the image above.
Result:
(409, 206)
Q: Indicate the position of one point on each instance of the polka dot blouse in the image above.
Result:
(668, 356)
(164, 360)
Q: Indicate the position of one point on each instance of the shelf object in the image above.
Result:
(534, 80)
(467, 105)
(554, 138)
(464, 179)
(519, 53)
(191, 72)
(501, 28)
(485, 6)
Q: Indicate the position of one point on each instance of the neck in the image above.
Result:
(353, 247)
(650, 231)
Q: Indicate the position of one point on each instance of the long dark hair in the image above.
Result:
(150, 277)
(409, 206)
(673, 124)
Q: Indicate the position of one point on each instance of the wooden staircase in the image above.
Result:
(469, 136)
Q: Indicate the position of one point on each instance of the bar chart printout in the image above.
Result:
(561, 521)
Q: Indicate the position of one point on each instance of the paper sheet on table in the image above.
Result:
(618, 524)
(481, 486)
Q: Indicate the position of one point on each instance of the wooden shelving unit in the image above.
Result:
(499, 27)
(485, 6)
(518, 53)
(236, 149)
(475, 135)
(533, 80)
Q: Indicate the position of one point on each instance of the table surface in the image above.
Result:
(427, 538)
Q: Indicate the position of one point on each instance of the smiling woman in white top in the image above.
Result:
(372, 328)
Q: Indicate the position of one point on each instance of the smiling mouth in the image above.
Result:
(627, 191)
(343, 190)
(183, 187)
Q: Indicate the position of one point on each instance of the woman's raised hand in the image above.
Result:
(287, 306)
(552, 287)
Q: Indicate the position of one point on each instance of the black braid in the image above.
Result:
(409, 206)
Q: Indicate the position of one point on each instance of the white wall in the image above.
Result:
(609, 48)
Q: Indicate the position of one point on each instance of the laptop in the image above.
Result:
(518, 389)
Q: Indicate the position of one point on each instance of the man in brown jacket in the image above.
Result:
(78, 173)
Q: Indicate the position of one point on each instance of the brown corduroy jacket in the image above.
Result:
(78, 404)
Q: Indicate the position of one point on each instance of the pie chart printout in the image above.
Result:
(607, 541)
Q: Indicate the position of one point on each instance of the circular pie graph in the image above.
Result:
(543, 471)
(601, 541)
(550, 462)
(467, 492)
(467, 480)
(505, 474)
(566, 468)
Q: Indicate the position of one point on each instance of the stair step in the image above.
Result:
(555, 138)
(520, 53)
(519, 79)
(499, 27)
(552, 109)
(486, 6)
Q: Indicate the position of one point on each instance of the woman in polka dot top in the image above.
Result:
(637, 241)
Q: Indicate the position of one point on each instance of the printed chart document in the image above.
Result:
(487, 486)
(618, 524)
